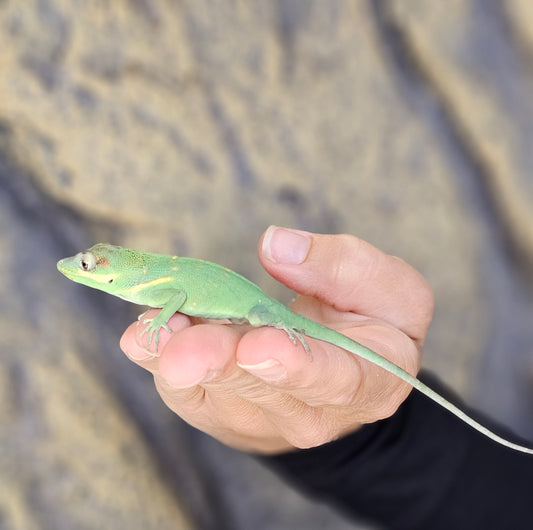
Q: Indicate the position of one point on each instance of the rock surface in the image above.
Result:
(188, 127)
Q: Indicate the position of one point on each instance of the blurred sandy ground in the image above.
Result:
(188, 127)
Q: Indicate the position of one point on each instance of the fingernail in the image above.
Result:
(269, 370)
(282, 245)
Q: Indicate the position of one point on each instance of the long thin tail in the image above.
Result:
(328, 335)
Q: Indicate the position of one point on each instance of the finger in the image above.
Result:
(351, 275)
(197, 377)
(204, 355)
(225, 416)
(134, 342)
(200, 354)
(218, 411)
(199, 380)
(333, 377)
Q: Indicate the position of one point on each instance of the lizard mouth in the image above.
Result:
(64, 268)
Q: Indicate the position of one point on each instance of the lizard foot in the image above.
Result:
(298, 336)
(152, 329)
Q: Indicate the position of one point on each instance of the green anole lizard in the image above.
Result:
(202, 289)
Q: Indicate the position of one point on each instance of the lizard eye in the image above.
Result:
(87, 261)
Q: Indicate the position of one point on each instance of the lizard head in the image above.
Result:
(97, 267)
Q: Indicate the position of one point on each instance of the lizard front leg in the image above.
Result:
(174, 302)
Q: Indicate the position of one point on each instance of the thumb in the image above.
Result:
(350, 275)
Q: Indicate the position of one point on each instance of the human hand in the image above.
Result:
(253, 389)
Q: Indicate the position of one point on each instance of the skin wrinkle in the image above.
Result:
(329, 399)
(193, 396)
(301, 427)
(335, 284)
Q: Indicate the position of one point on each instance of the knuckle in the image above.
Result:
(311, 432)
(427, 298)
(389, 407)
(308, 440)
(350, 264)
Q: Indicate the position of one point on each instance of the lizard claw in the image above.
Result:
(297, 336)
(152, 329)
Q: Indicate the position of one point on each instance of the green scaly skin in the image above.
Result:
(202, 289)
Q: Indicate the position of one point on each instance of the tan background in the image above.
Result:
(188, 127)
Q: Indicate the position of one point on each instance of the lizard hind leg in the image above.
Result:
(261, 315)
(298, 336)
